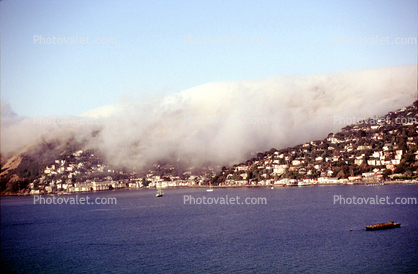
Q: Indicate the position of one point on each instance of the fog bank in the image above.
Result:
(223, 122)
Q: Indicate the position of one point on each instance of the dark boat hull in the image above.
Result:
(383, 226)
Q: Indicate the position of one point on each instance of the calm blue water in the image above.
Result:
(298, 230)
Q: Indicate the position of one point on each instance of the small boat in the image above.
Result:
(383, 226)
(159, 191)
(272, 187)
(210, 188)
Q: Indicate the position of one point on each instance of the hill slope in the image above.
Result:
(379, 145)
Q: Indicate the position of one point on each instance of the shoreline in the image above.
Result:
(229, 186)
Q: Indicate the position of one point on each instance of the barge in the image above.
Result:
(383, 226)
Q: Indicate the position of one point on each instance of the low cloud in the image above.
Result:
(223, 123)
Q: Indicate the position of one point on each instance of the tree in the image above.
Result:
(386, 173)
(145, 182)
(340, 174)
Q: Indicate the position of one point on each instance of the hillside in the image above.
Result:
(28, 164)
(378, 148)
(58, 166)
(373, 149)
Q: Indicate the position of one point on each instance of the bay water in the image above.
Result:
(188, 230)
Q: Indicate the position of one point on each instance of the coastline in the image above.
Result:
(227, 186)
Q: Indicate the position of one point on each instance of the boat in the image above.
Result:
(210, 188)
(292, 183)
(375, 184)
(159, 191)
(383, 226)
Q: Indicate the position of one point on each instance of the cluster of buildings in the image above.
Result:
(362, 152)
(83, 171)
(75, 173)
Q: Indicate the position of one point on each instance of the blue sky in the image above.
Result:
(156, 49)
